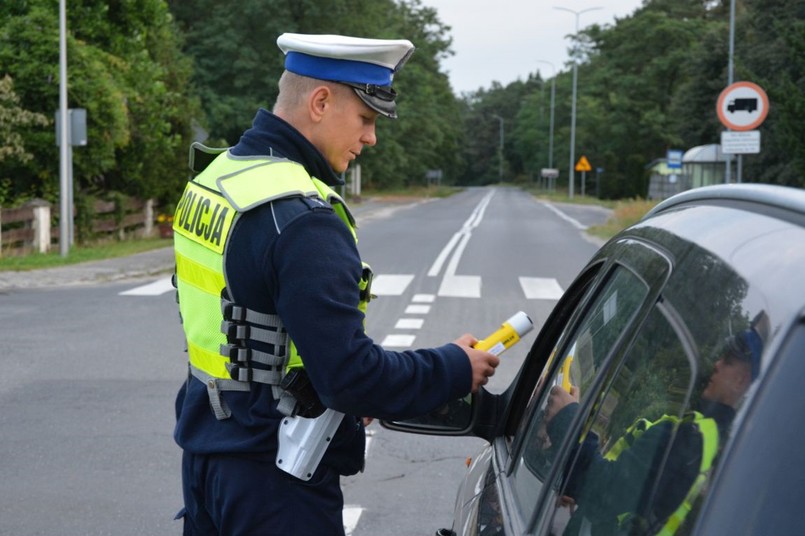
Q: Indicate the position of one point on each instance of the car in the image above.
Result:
(663, 394)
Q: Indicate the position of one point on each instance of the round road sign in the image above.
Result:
(742, 106)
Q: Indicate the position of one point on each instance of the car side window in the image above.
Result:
(639, 453)
(579, 357)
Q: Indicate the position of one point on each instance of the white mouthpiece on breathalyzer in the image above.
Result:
(521, 323)
(507, 335)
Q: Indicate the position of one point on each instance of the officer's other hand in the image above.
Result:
(367, 421)
(558, 399)
(483, 363)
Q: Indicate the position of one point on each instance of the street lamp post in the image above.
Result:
(553, 100)
(571, 172)
(500, 148)
(65, 210)
(730, 66)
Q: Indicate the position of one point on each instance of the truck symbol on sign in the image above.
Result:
(737, 105)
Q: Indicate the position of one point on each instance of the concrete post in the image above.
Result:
(41, 225)
(148, 230)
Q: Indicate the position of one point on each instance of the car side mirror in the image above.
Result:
(454, 418)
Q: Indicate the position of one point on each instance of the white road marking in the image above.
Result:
(398, 341)
(417, 309)
(572, 221)
(351, 516)
(423, 298)
(157, 288)
(541, 288)
(436, 267)
(369, 434)
(460, 286)
(390, 284)
(409, 323)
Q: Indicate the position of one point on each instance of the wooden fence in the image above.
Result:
(30, 228)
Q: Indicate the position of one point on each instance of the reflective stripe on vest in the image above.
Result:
(708, 429)
(204, 218)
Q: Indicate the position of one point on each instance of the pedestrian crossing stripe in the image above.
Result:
(351, 515)
(157, 288)
(534, 288)
(541, 288)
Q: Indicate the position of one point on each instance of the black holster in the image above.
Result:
(297, 383)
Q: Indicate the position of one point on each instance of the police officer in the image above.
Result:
(272, 293)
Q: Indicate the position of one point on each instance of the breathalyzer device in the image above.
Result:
(507, 335)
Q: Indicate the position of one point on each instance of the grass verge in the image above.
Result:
(625, 213)
(83, 253)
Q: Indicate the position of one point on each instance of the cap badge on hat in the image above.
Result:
(366, 65)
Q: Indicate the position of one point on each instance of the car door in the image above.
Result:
(639, 446)
(575, 352)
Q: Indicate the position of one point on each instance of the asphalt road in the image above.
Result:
(92, 357)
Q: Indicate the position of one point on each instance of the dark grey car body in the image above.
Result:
(643, 324)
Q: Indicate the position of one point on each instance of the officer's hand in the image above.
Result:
(483, 363)
(558, 399)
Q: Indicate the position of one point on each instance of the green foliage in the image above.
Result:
(84, 217)
(125, 69)
(13, 121)
(238, 65)
(648, 83)
(155, 74)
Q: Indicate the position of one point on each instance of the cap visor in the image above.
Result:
(383, 107)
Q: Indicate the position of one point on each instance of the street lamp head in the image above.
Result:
(577, 13)
(548, 63)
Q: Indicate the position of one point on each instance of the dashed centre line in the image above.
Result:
(417, 309)
(396, 340)
(409, 323)
(390, 284)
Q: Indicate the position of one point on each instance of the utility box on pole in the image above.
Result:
(76, 136)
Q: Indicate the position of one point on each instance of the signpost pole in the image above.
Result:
(64, 172)
(728, 157)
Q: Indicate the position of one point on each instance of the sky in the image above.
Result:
(503, 40)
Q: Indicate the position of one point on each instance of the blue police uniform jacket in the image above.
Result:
(294, 257)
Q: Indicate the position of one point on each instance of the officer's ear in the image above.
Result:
(319, 101)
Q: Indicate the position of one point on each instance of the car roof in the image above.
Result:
(769, 195)
(755, 231)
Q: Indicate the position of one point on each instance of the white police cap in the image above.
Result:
(366, 65)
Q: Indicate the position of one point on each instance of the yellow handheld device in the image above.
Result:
(507, 335)
(564, 376)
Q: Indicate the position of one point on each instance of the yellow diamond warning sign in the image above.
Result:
(583, 164)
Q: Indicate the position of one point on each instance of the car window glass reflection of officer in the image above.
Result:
(608, 491)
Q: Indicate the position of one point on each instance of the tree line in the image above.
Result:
(154, 75)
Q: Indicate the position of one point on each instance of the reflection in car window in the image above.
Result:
(581, 357)
(611, 486)
(652, 441)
